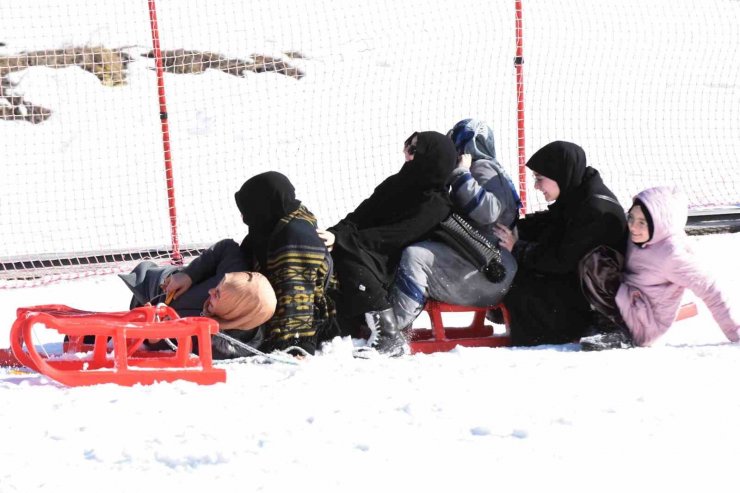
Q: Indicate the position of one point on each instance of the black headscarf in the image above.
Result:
(563, 162)
(421, 180)
(404, 208)
(263, 200)
(434, 160)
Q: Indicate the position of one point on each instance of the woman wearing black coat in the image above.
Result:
(545, 302)
(367, 244)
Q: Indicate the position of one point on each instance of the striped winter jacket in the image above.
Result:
(484, 194)
(299, 269)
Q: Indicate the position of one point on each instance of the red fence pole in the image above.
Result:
(176, 256)
(518, 63)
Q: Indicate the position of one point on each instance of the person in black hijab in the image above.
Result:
(367, 244)
(545, 303)
(263, 200)
(283, 244)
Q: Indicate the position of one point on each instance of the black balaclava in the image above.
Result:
(648, 219)
(434, 160)
(263, 200)
(563, 162)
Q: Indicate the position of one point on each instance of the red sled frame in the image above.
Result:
(126, 363)
(478, 334)
(441, 338)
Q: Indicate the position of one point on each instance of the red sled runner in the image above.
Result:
(478, 333)
(445, 338)
(123, 361)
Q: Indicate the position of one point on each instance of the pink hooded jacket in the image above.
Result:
(657, 273)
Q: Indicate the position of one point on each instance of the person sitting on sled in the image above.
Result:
(367, 244)
(483, 193)
(659, 266)
(546, 304)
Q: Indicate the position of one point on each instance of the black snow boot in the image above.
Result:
(606, 334)
(386, 337)
(496, 315)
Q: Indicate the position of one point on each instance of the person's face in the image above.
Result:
(409, 148)
(548, 187)
(214, 299)
(638, 225)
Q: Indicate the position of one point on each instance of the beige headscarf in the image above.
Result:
(247, 301)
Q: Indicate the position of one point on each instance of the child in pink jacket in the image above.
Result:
(659, 266)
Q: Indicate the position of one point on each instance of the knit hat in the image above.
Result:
(247, 301)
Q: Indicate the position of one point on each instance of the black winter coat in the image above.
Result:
(545, 302)
(403, 209)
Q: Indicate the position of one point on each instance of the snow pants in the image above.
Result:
(432, 269)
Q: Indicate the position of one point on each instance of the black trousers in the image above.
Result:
(546, 310)
(359, 291)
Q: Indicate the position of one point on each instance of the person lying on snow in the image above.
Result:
(283, 246)
(216, 285)
(659, 266)
(545, 303)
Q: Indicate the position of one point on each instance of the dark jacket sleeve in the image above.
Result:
(479, 196)
(368, 213)
(560, 252)
(530, 227)
(364, 214)
(213, 260)
(386, 236)
(415, 224)
(294, 260)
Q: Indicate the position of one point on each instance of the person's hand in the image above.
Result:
(465, 161)
(327, 237)
(176, 284)
(506, 237)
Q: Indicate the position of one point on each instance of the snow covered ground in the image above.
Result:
(479, 420)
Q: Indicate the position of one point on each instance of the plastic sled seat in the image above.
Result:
(124, 360)
(687, 310)
(441, 338)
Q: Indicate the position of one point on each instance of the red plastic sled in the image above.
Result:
(126, 362)
(441, 338)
